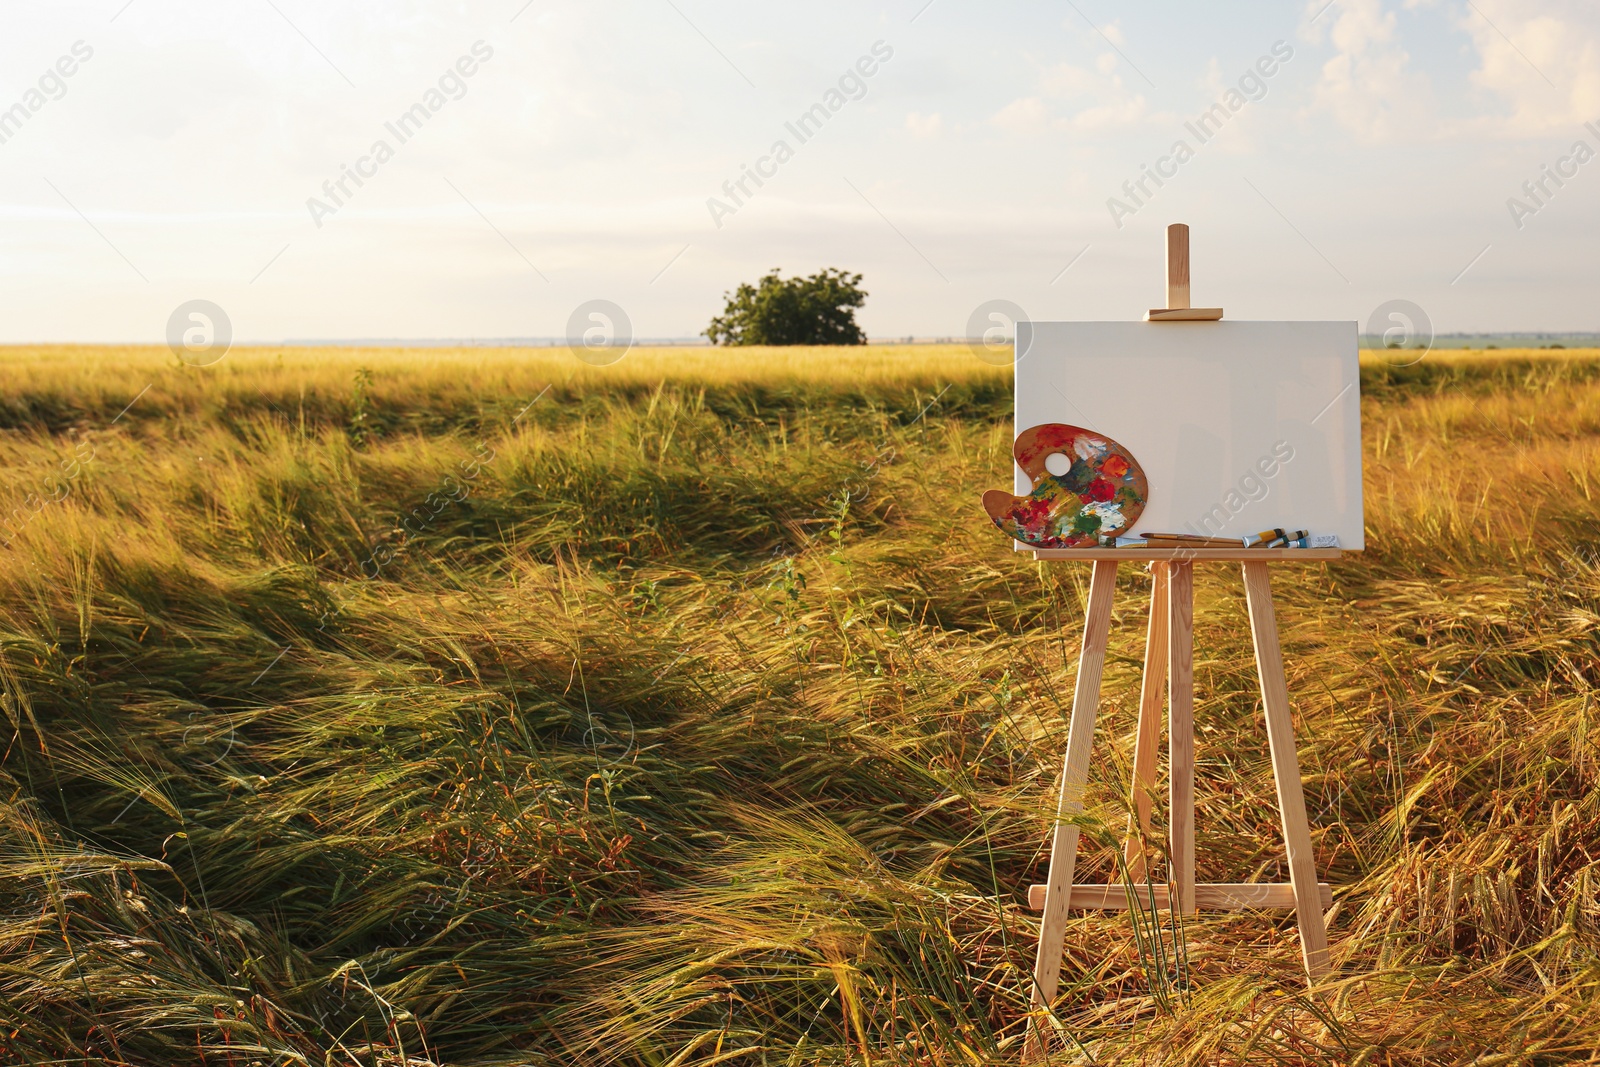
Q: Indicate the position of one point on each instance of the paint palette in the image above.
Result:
(1101, 493)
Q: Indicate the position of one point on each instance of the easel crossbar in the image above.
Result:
(1216, 896)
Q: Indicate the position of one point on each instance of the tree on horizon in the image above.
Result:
(818, 310)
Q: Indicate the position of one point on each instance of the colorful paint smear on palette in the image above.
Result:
(1101, 494)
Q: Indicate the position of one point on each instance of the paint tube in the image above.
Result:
(1274, 538)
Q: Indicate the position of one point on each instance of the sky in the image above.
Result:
(1357, 152)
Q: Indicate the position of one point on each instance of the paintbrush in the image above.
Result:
(1164, 540)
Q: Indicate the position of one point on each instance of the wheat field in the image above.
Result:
(380, 707)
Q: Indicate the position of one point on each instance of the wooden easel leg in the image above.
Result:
(1074, 775)
(1180, 739)
(1286, 770)
(1152, 695)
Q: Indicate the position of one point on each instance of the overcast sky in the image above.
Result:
(195, 151)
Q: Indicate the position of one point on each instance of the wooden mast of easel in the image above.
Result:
(1178, 266)
(1178, 309)
(1169, 659)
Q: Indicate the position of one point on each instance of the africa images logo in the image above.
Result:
(452, 85)
(1252, 86)
(52, 85)
(852, 85)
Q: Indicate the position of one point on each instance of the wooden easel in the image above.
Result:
(1169, 661)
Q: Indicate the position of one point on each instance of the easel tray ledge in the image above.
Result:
(1196, 555)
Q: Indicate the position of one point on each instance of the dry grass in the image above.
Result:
(691, 715)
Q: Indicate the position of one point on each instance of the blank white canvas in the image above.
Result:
(1209, 409)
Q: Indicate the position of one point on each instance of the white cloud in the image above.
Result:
(1111, 116)
(1030, 114)
(1077, 98)
(1545, 64)
(1066, 80)
(1024, 115)
(1540, 58)
(1369, 86)
(926, 127)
